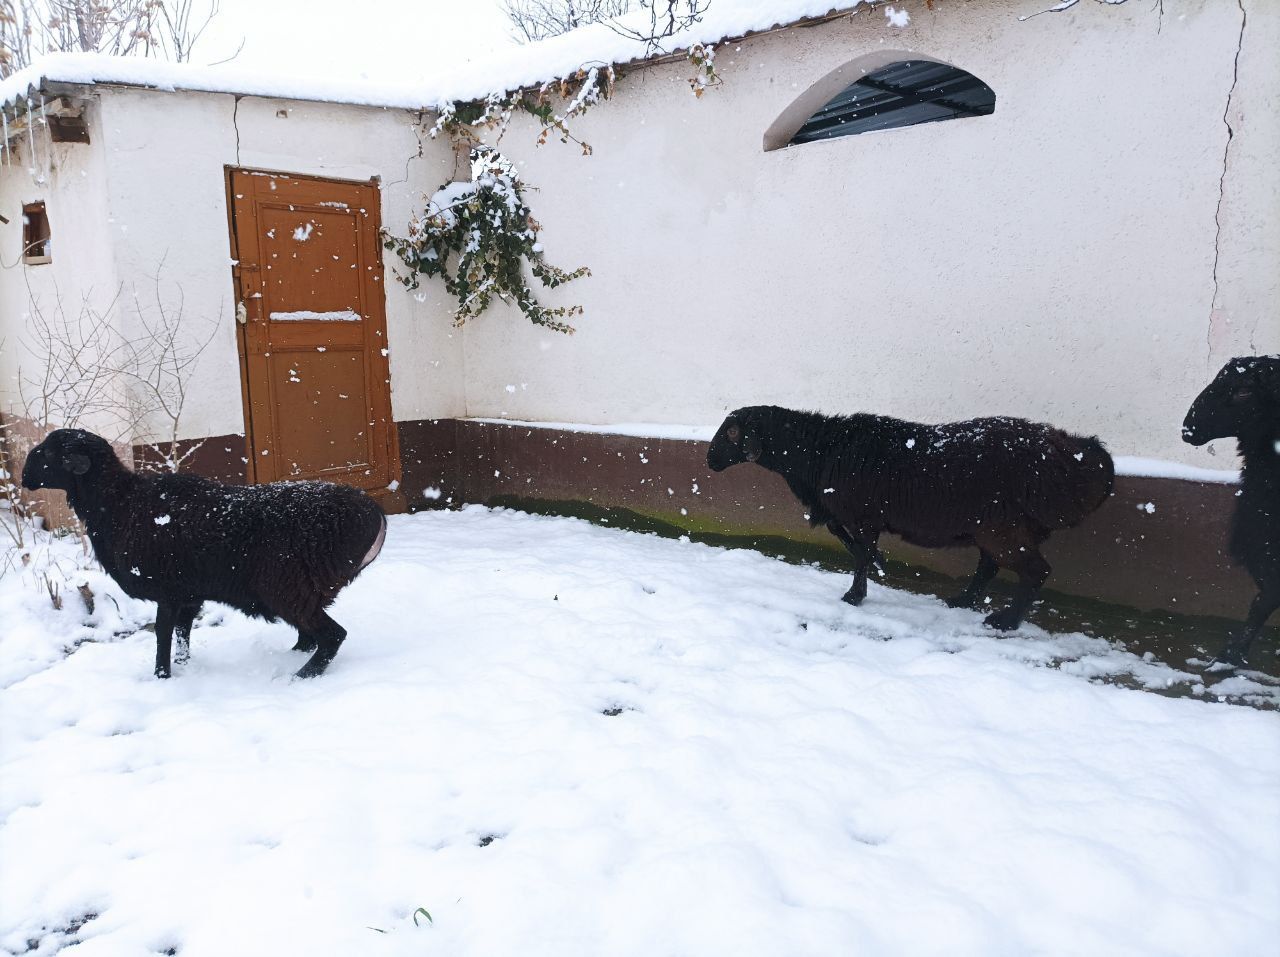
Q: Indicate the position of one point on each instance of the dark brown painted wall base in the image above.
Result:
(221, 457)
(224, 457)
(1173, 558)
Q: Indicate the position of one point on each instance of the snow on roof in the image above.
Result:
(91, 69)
(417, 88)
(599, 43)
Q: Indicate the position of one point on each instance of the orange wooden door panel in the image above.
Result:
(313, 330)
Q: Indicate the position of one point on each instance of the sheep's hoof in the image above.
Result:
(1231, 654)
(852, 597)
(1005, 620)
(312, 669)
(162, 672)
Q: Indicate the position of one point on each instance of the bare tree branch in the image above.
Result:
(666, 18)
(167, 29)
(1068, 4)
(84, 371)
(159, 369)
(535, 20)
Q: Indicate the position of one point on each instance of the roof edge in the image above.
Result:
(520, 68)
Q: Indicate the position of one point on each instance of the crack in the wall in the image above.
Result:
(1222, 190)
(235, 123)
(416, 126)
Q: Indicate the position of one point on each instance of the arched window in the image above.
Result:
(901, 93)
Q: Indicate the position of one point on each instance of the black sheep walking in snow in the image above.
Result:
(1002, 484)
(1243, 401)
(278, 551)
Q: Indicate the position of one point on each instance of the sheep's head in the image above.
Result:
(737, 440)
(64, 457)
(1242, 400)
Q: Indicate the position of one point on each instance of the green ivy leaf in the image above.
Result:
(493, 235)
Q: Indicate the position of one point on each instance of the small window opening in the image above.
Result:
(37, 242)
(906, 93)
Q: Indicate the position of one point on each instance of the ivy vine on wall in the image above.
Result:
(486, 224)
(479, 235)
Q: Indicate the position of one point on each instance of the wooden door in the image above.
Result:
(312, 329)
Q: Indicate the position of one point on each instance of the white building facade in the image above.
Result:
(1088, 254)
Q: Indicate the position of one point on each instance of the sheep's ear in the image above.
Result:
(75, 463)
(751, 446)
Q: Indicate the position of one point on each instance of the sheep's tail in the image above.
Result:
(1093, 478)
(376, 547)
(1078, 479)
(362, 535)
(1098, 461)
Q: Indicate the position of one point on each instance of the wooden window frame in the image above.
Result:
(35, 218)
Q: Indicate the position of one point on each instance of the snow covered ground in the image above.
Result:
(562, 739)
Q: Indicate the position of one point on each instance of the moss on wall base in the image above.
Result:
(1173, 638)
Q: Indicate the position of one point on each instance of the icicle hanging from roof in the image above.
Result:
(40, 170)
(31, 137)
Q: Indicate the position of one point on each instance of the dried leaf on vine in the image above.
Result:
(477, 236)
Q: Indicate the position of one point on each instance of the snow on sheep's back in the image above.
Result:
(561, 739)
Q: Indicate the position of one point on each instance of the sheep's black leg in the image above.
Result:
(987, 569)
(182, 632)
(863, 553)
(1237, 646)
(328, 635)
(1032, 572)
(306, 641)
(165, 617)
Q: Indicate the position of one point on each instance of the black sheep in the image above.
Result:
(279, 551)
(1002, 484)
(1243, 401)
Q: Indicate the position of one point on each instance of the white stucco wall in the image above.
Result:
(167, 196)
(70, 179)
(1246, 317)
(139, 217)
(1053, 260)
